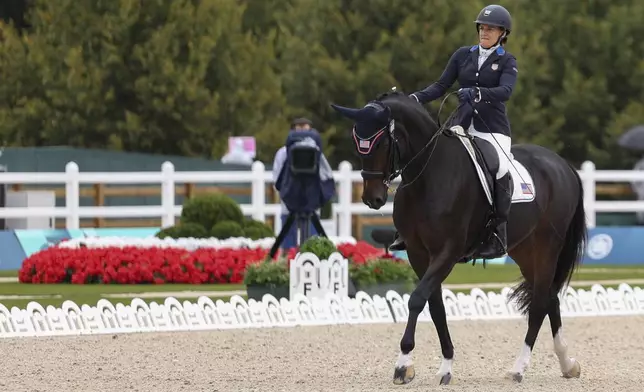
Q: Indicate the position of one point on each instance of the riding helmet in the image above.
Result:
(495, 15)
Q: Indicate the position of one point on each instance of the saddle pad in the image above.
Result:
(479, 170)
(523, 192)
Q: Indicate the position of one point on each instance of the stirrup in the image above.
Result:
(398, 244)
(493, 248)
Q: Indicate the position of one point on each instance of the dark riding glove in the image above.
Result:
(466, 95)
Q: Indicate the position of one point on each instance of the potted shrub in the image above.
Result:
(273, 277)
(322, 247)
(374, 276)
(377, 276)
(267, 277)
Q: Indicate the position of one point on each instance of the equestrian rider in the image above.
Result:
(486, 73)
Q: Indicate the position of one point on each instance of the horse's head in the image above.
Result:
(390, 131)
(373, 135)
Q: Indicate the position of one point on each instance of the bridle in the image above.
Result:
(366, 145)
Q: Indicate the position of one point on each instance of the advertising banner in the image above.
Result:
(618, 245)
(615, 245)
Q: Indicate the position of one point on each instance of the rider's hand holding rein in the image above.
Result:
(469, 94)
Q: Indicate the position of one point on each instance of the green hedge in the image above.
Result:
(215, 215)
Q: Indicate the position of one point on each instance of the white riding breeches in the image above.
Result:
(501, 143)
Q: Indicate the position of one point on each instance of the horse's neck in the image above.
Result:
(430, 157)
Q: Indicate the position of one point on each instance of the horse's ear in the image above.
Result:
(346, 112)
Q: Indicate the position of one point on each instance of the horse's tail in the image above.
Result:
(570, 255)
(572, 252)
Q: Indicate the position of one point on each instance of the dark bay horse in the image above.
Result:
(441, 210)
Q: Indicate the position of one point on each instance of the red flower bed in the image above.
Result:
(135, 265)
(360, 252)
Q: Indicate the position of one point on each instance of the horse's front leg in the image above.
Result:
(437, 311)
(427, 290)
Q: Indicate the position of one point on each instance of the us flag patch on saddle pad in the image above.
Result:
(526, 189)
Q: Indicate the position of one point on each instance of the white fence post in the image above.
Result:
(72, 196)
(258, 191)
(590, 187)
(344, 199)
(167, 194)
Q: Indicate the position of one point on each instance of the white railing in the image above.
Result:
(590, 177)
(258, 177)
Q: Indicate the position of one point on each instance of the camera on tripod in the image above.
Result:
(305, 184)
(304, 158)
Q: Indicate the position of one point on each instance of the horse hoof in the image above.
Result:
(444, 379)
(404, 375)
(574, 372)
(515, 376)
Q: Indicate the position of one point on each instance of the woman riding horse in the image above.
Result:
(486, 73)
(440, 210)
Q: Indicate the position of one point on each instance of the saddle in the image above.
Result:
(485, 158)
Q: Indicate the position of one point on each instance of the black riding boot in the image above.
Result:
(398, 244)
(496, 245)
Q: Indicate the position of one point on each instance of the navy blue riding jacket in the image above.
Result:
(495, 79)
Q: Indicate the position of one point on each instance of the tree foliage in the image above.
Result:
(179, 77)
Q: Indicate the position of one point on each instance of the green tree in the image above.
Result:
(588, 68)
(153, 76)
(182, 76)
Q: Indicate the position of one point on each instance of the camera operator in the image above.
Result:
(304, 180)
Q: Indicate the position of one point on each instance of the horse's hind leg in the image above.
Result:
(569, 366)
(533, 296)
(536, 313)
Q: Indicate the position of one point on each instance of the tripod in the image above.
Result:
(303, 233)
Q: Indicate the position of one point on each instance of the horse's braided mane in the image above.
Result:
(389, 93)
(398, 97)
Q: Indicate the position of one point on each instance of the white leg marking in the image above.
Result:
(561, 349)
(446, 367)
(404, 360)
(523, 360)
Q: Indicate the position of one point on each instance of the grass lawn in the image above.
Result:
(55, 294)
(8, 273)
(510, 273)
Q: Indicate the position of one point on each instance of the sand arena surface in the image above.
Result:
(330, 358)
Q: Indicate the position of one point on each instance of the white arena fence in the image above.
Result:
(258, 177)
(173, 315)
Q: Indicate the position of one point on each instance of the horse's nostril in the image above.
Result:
(379, 201)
